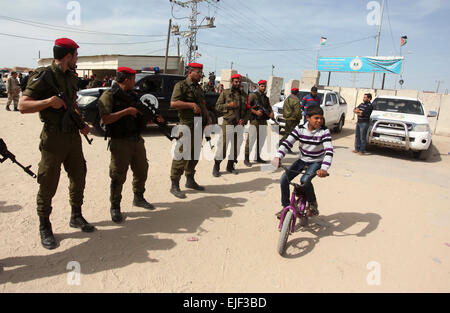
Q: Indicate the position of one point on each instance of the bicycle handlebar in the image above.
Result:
(286, 169)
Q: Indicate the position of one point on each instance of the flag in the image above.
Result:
(403, 41)
(197, 55)
(323, 40)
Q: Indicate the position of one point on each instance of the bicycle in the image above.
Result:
(296, 209)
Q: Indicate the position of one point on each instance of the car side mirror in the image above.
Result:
(432, 114)
(328, 103)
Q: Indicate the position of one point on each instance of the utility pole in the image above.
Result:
(272, 69)
(167, 46)
(231, 65)
(378, 39)
(191, 34)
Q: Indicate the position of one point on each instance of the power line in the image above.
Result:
(84, 43)
(390, 28)
(69, 29)
(264, 38)
(177, 18)
(242, 17)
(287, 50)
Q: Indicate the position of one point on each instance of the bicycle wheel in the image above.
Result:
(285, 230)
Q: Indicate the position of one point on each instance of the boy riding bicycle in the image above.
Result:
(316, 153)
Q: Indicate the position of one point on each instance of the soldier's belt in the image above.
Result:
(133, 137)
(55, 128)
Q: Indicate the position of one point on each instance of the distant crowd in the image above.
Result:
(93, 82)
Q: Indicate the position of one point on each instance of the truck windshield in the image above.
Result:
(398, 106)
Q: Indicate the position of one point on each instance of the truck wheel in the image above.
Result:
(339, 127)
(421, 155)
(99, 127)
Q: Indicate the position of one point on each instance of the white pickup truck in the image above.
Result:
(400, 123)
(333, 105)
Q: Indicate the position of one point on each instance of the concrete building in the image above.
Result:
(106, 65)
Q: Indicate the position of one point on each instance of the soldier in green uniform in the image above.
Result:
(259, 120)
(292, 112)
(233, 103)
(58, 145)
(124, 124)
(189, 99)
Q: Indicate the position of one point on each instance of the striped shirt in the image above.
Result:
(315, 146)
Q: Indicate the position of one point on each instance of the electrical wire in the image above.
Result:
(390, 28)
(84, 43)
(69, 29)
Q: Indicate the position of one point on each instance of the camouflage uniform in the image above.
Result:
(13, 89)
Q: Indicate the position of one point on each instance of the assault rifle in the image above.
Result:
(6, 154)
(265, 112)
(204, 123)
(202, 107)
(71, 117)
(146, 104)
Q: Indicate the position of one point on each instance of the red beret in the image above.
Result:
(294, 89)
(195, 65)
(66, 43)
(262, 82)
(127, 70)
(236, 76)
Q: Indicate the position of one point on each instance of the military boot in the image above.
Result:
(116, 215)
(247, 161)
(77, 221)
(175, 189)
(192, 184)
(45, 229)
(7, 108)
(216, 169)
(230, 167)
(115, 197)
(140, 201)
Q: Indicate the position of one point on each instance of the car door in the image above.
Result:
(334, 111)
(153, 84)
(171, 81)
(328, 109)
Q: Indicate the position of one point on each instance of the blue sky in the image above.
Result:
(241, 27)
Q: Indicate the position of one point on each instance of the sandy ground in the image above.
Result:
(384, 226)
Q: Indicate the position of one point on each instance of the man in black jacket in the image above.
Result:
(362, 126)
